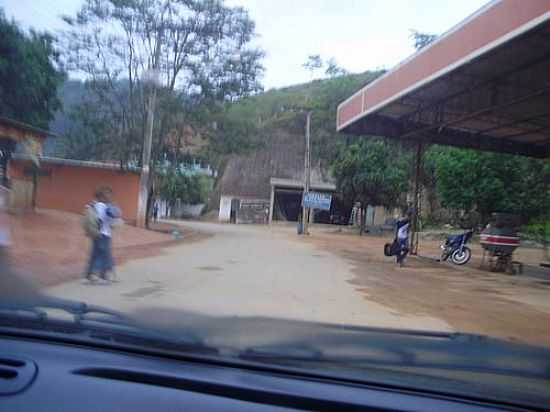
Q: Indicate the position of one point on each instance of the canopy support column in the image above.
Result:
(417, 203)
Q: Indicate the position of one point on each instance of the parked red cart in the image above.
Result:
(499, 241)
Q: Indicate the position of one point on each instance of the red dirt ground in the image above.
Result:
(49, 247)
(468, 299)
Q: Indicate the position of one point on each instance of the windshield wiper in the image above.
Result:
(450, 352)
(92, 321)
(297, 352)
(81, 311)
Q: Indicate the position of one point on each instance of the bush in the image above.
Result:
(472, 181)
(540, 233)
(191, 190)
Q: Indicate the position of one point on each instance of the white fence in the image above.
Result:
(180, 210)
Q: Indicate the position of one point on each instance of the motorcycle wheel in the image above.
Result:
(461, 257)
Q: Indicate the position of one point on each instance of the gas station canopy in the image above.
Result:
(484, 84)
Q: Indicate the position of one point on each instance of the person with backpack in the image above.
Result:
(402, 229)
(98, 220)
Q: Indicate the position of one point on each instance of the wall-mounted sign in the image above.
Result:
(316, 200)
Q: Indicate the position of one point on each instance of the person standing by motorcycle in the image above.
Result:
(402, 229)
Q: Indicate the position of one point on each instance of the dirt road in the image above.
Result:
(329, 277)
(246, 271)
(468, 299)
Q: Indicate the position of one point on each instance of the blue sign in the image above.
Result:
(316, 200)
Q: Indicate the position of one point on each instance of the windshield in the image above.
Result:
(294, 183)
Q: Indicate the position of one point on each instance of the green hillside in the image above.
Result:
(285, 109)
(262, 136)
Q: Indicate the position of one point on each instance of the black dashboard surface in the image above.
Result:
(84, 378)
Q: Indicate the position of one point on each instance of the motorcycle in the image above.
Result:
(455, 248)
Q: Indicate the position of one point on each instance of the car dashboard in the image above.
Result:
(38, 374)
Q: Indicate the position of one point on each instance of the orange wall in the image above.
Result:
(69, 188)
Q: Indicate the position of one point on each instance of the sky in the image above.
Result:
(359, 34)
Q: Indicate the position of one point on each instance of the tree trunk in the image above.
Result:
(363, 220)
(149, 208)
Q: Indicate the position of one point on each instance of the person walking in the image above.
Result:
(402, 229)
(155, 211)
(105, 214)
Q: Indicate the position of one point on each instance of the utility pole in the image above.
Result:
(148, 138)
(307, 174)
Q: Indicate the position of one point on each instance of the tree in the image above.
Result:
(333, 69)
(371, 172)
(473, 181)
(187, 189)
(313, 63)
(202, 50)
(29, 74)
(540, 233)
(420, 39)
(87, 135)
